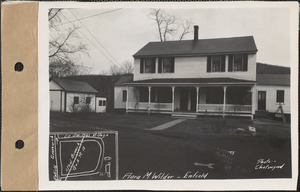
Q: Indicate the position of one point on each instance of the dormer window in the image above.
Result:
(166, 65)
(147, 65)
(238, 63)
(216, 63)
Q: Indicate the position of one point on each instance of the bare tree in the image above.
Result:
(64, 46)
(170, 27)
(123, 69)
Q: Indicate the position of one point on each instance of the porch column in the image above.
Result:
(173, 98)
(149, 101)
(253, 100)
(197, 98)
(224, 100)
(127, 99)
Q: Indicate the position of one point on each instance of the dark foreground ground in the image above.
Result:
(195, 149)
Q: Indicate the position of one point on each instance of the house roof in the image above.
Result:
(273, 79)
(74, 86)
(124, 79)
(187, 81)
(199, 47)
(263, 68)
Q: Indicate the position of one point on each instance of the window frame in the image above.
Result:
(210, 63)
(143, 62)
(88, 100)
(241, 64)
(162, 64)
(283, 96)
(76, 100)
(231, 62)
(100, 103)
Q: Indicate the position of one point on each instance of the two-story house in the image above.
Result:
(199, 76)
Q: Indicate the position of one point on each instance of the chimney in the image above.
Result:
(196, 29)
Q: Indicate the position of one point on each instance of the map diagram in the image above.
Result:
(83, 156)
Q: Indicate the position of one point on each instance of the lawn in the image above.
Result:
(182, 150)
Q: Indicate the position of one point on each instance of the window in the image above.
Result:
(88, 100)
(147, 65)
(216, 63)
(124, 95)
(238, 63)
(280, 96)
(76, 100)
(166, 65)
(102, 103)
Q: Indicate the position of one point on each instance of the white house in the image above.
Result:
(199, 76)
(74, 96)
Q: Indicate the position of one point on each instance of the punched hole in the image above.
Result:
(19, 66)
(19, 144)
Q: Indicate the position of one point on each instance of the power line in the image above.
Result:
(88, 17)
(90, 41)
(94, 36)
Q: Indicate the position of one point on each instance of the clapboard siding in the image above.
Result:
(119, 103)
(195, 67)
(271, 92)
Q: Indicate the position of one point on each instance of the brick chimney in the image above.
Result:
(196, 29)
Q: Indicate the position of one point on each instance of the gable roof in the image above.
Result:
(199, 47)
(74, 86)
(273, 79)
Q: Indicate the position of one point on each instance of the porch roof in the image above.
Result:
(191, 81)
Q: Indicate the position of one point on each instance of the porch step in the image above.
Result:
(183, 116)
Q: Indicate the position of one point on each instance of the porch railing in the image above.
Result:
(229, 108)
(210, 108)
(153, 106)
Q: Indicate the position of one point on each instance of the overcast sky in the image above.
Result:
(124, 31)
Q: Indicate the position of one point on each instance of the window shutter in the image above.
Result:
(153, 65)
(142, 65)
(245, 62)
(230, 61)
(172, 64)
(208, 67)
(223, 63)
(159, 65)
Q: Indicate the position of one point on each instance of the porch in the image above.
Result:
(224, 100)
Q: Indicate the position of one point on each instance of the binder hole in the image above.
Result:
(19, 66)
(19, 144)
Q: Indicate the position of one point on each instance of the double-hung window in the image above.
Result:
(147, 65)
(280, 96)
(238, 62)
(166, 65)
(76, 100)
(216, 63)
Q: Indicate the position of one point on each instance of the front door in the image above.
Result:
(184, 98)
(262, 100)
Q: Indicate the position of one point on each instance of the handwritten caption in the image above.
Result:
(268, 164)
(164, 176)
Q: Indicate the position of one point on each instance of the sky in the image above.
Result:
(120, 33)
